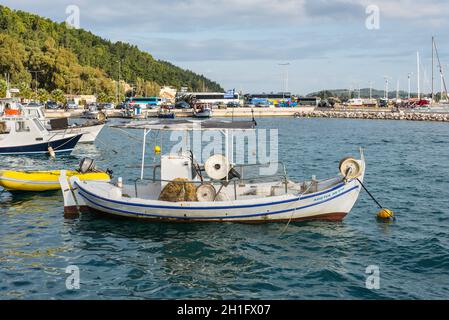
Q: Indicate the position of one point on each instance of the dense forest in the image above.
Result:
(65, 59)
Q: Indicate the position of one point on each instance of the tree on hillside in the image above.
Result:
(3, 88)
(43, 95)
(58, 96)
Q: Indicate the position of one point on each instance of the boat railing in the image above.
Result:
(235, 181)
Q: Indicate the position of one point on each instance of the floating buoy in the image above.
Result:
(51, 152)
(385, 214)
(157, 149)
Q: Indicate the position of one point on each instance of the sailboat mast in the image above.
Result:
(441, 70)
(417, 65)
(432, 64)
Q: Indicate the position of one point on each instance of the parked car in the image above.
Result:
(71, 105)
(91, 106)
(182, 105)
(52, 105)
(33, 104)
(121, 106)
(233, 104)
(108, 105)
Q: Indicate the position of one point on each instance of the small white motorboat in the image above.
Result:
(27, 135)
(216, 191)
(61, 127)
(202, 111)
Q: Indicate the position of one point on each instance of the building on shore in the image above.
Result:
(168, 93)
(308, 101)
(213, 97)
(270, 99)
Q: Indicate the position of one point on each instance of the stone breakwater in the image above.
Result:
(377, 115)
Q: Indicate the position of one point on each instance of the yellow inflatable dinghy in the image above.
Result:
(46, 180)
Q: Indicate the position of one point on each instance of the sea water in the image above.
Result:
(407, 171)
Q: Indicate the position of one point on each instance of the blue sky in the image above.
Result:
(240, 43)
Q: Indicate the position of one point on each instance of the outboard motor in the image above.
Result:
(87, 165)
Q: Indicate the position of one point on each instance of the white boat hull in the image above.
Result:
(89, 133)
(332, 204)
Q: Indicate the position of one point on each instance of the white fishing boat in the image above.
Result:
(21, 134)
(202, 110)
(60, 126)
(216, 191)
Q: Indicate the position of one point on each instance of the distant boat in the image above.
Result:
(21, 135)
(202, 111)
(165, 113)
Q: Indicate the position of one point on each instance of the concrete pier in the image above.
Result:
(377, 115)
(308, 112)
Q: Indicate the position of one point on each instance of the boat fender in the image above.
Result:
(350, 168)
(3, 127)
(51, 152)
(101, 116)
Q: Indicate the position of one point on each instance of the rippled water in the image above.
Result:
(407, 169)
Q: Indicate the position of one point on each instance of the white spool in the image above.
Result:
(217, 167)
(206, 192)
(350, 168)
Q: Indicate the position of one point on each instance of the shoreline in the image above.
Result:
(377, 115)
(299, 112)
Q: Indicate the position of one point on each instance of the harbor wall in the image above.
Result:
(307, 112)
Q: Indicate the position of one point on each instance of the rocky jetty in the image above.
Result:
(376, 115)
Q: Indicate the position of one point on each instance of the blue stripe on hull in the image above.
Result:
(60, 145)
(215, 207)
(147, 215)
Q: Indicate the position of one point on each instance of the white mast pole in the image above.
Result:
(397, 89)
(408, 77)
(417, 66)
(143, 153)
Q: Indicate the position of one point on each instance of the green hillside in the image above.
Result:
(77, 61)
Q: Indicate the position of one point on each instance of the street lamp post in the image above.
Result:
(285, 77)
(370, 89)
(35, 74)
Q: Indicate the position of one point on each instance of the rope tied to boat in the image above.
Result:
(383, 213)
(294, 209)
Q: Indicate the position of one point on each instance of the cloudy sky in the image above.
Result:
(241, 43)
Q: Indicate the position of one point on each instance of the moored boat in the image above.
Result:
(202, 110)
(28, 135)
(165, 113)
(47, 180)
(216, 191)
(89, 130)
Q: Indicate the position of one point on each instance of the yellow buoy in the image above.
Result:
(157, 149)
(385, 214)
